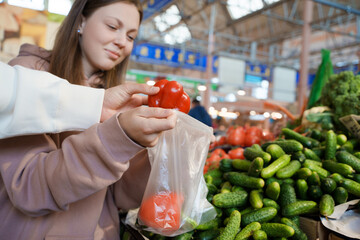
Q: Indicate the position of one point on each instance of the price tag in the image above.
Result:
(351, 123)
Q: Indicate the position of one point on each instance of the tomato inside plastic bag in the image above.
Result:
(175, 201)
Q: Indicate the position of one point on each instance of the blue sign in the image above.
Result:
(175, 57)
(253, 79)
(261, 70)
(153, 6)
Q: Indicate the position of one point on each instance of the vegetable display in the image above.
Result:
(270, 195)
(171, 95)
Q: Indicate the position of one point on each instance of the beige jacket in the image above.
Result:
(69, 185)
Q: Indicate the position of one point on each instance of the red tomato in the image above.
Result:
(251, 140)
(206, 168)
(212, 145)
(236, 136)
(162, 211)
(268, 136)
(213, 160)
(237, 153)
(221, 141)
(219, 151)
(254, 131)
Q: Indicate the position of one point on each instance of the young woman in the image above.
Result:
(71, 185)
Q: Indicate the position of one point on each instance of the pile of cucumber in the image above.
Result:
(263, 196)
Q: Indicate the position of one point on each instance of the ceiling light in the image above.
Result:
(241, 92)
(201, 88)
(266, 114)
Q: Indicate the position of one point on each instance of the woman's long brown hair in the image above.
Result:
(66, 54)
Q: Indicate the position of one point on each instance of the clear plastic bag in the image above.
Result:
(175, 201)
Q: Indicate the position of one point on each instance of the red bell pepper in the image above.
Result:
(171, 95)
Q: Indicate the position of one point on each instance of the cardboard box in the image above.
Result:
(313, 228)
(333, 236)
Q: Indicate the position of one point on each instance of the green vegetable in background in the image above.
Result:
(341, 93)
(323, 73)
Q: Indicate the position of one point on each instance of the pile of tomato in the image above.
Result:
(237, 138)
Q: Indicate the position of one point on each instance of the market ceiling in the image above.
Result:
(267, 31)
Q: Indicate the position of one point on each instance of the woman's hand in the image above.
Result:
(123, 97)
(144, 124)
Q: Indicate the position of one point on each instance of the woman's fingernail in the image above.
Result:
(153, 88)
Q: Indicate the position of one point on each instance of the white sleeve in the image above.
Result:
(38, 102)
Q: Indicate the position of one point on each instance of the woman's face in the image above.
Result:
(108, 36)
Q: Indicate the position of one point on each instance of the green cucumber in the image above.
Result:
(335, 167)
(313, 162)
(300, 156)
(255, 199)
(277, 230)
(314, 179)
(226, 165)
(302, 188)
(305, 141)
(287, 195)
(341, 139)
(310, 154)
(289, 170)
(212, 188)
(232, 227)
(237, 188)
(348, 147)
(212, 224)
(259, 235)
(243, 180)
(328, 184)
(225, 187)
(273, 190)
(248, 231)
(337, 177)
(298, 208)
(256, 166)
(271, 203)
(315, 192)
(208, 234)
(299, 234)
(326, 205)
(276, 165)
(289, 146)
(321, 171)
(330, 145)
(340, 195)
(241, 164)
(351, 186)
(348, 158)
(275, 151)
(261, 215)
(184, 236)
(214, 173)
(230, 199)
(251, 153)
(273, 179)
(356, 177)
(303, 173)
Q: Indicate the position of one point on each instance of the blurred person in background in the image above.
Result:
(199, 112)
